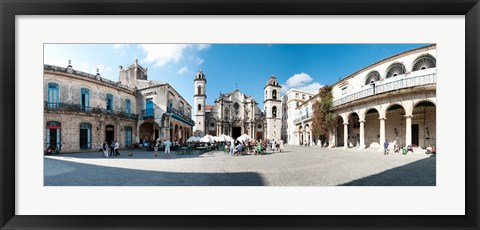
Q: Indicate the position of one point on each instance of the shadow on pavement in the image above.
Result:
(94, 175)
(418, 173)
(136, 154)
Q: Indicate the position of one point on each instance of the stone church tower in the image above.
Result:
(273, 109)
(199, 107)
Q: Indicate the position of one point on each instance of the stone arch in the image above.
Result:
(424, 123)
(372, 127)
(339, 131)
(353, 129)
(395, 124)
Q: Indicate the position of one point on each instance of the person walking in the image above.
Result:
(232, 147)
(105, 149)
(282, 147)
(116, 148)
(155, 149)
(167, 148)
(385, 147)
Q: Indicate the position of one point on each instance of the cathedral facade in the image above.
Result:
(235, 113)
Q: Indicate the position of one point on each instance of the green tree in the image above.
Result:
(323, 119)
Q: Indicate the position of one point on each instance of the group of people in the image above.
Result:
(158, 144)
(396, 148)
(111, 149)
(254, 147)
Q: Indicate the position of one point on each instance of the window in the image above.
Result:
(85, 136)
(212, 124)
(128, 106)
(53, 96)
(199, 107)
(373, 76)
(85, 99)
(109, 100)
(274, 111)
(149, 107)
(199, 90)
(236, 105)
(181, 107)
(395, 70)
(128, 136)
(296, 95)
(274, 94)
(424, 62)
(303, 96)
(344, 90)
(170, 105)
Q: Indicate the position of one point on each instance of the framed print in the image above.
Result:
(239, 115)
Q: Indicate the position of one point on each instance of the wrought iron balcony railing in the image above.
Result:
(403, 83)
(148, 113)
(302, 118)
(48, 106)
(181, 115)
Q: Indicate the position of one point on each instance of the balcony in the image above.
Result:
(179, 115)
(148, 113)
(64, 107)
(302, 118)
(426, 79)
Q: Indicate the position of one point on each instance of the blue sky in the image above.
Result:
(304, 66)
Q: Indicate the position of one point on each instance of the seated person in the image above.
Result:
(239, 148)
(434, 150)
(429, 150)
(410, 148)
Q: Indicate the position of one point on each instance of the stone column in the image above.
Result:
(311, 138)
(382, 133)
(408, 133)
(362, 134)
(345, 135)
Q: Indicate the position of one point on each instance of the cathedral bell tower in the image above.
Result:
(273, 109)
(200, 97)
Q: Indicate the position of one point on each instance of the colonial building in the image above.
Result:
(83, 110)
(392, 99)
(235, 113)
(290, 101)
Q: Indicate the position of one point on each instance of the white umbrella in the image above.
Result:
(192, 139)
(224, 137)
(207, 139)
(244, 137)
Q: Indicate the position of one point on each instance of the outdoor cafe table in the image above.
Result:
(202, 149)
(184, 150)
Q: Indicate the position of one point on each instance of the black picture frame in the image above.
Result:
(10, 8)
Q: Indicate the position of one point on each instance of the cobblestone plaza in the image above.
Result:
(298, 166)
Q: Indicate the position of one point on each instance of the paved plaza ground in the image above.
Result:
(298, 166)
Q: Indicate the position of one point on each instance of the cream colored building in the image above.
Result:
(392, 99)
(83, 110)
(292, 99)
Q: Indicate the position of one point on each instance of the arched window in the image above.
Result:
(199, 107)
(53, 96)
(85, 99)
(372, 77)
(274, 94)
(109, 102)
(85, 136)
(424, 62)
(274, 111)
(395, 69)
(199, 90)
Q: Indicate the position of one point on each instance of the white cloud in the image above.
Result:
(182, 70)
(203, 46)
(84, 67)
(301, 81)
(162, 54)
(119, 46)
(199, 61)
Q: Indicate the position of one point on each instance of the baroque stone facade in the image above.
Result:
(235, 113)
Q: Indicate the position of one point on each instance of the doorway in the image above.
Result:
(85, 136)
(109, 134)
(415, 135)
(236, 132)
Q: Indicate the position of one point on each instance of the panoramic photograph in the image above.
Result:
(239, 114)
